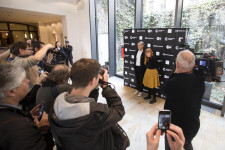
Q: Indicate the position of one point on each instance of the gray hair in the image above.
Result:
(141, 42)
(186, 60)
(11, 77)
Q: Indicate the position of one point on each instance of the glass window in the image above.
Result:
(19, 35)
(33, 36)
(102, 31)
(206, 22)
(14, 26)
(32, 28)
(3, 26)
(4, 39)
(125, 12)
(158, 13)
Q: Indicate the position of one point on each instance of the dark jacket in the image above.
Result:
(61, 56)
(152, 63)
(83, 124)
(184, 93)
(142, 58)
(18, 131)
(46, 93)
(68, 49)
(29, 101)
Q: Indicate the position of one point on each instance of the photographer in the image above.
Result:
(18, 131)
(59, 54)
(25, 59)
(184, 92)
(79, 121)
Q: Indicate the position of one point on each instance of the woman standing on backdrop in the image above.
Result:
(151, 76)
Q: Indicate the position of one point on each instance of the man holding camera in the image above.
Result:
(25, 59)
(184, 92)
(78, 120)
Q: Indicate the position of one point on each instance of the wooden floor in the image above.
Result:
(141, 116)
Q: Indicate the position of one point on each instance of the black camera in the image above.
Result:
(101, 72)
(53, 50)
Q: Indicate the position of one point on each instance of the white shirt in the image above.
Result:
(138, 58)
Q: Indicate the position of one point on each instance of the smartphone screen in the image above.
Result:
(41, 110)
(164, 120)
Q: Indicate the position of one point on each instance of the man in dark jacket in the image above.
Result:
(68, 50)
(56, 83)
(17, 129)
(79, 121)
(184, 92)
(139, 67)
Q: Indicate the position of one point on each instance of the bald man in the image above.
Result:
(184, 92)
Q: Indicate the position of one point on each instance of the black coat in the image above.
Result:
(18, 131)
(68, 49)
(92, 131)
(184, 93)
(61, 56)
(152, 63)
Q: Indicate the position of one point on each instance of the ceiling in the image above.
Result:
(29, 17)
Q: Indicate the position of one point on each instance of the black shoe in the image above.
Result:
(148, 97)
(152, 101)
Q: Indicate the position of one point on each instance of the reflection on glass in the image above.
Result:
(19, 35)
(14, 26)
(3, 26)
(32, 28)
(158, 13)
(102, 24)
(4, 39)
(206, 20)
(125, 11)
(33, 36)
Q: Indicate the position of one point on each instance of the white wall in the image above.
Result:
(75, 20)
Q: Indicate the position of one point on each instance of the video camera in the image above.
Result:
(207, 65)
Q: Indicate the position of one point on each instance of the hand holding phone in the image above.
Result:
(41, 110)
(164, 120)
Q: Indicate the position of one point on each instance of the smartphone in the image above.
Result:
(164, 120)
(40, 72)
(41, 110)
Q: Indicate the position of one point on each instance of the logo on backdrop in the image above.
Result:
(126, 61)
(159, 60)
(166, 77)
(126, 37)
(169, 31)
(157, 53)
(132, 80)
(178, 48)
(131, 62)
(164, 54)
(133, 31)
(159, 38)
(140, 37)
(132, 68)
(132, 50)
(168, 47)
(125, 49)
(126, 43)
(125, 83)
(167, 62)
(149, 38)
(149, 31)
(169, 39)
(132, 56)
(126, 68)
(164, 69)
(180, 30)
(157, 46)
(133, 37)
(148, 45)
(131, 74)
(132, 44)
(140, 30)
(158, 30)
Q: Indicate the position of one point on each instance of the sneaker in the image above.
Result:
(140, 94)
(148, 97)
(135, 92)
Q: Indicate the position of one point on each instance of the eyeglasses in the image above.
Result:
(29, 49)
